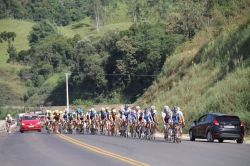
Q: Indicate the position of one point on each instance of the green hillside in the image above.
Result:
(11, 86)
(211, 73)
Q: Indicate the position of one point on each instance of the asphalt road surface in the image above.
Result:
(41, 149)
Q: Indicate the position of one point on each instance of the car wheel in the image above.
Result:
(220, 140)
(191, 136)
(21, 131)
(240, 141)
(210, 137)
(39, 130)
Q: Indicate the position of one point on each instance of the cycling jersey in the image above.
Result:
(92, 115)
(147, 118)
(113, 115)
(70, 115)
(65, 117)
(141, 114)
(102, 114)
(133, 116)
(153, 114)
(175, 116)
(57, 117)
(81, 117)
(127, 113)
(8, 119)
(121, 112)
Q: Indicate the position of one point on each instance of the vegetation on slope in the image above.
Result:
(209, 74)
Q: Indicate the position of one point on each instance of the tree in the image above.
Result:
(11, 50)
(40, 30)
(187, 21)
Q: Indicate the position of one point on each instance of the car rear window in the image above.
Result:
(30, 117)
(228, 118)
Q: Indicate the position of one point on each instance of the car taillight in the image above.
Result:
(241, 123)
(216, 122)
(23, 124)
(38, 123)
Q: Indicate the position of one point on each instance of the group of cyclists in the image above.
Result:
(114, 121)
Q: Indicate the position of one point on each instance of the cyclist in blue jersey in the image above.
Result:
(176, 115)
(102, 118)
(93, 116)
(147, 118)
(132, 118)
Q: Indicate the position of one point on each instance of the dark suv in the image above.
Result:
(217, 126)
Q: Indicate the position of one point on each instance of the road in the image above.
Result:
(39, 149)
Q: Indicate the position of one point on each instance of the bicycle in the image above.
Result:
(123, 130)
(133, 129)
(175, 137)
(103, 127)
(153, 129)
(8, 128)
(141, 130)
(147, 131)
(93, 129)
(112, 128)
(167, 132)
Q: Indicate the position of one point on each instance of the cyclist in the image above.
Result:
(81, 118)
(175, 118)
(56, 120)
(108, 113)
(147, 118)
(127, 113)
(92, 116)
(166, 118)
(69, 120)
(133, 117)
(64, 119)
(8, 121)
(120, 117)
(113, 117)
(48, 118)
(102, 118)
(154, 116)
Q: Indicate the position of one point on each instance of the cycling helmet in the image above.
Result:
(175, 108)
(103, 109)
(126, 105)
(114, 110)
(47, 111)
(8, 115)
(146, 109)
(166, 107)
(152, 107)
(92, 109)
(60, 112)
(107, 108)
(137, 107)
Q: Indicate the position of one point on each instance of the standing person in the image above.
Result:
(8, 121)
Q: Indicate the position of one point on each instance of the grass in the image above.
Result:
(11, 87)
(85, 28)
(207, 74)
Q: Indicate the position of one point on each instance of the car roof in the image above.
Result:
(219, 114)
(30, 115)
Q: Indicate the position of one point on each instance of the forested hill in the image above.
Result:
(151, 57)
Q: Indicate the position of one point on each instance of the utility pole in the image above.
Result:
(67, 90)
